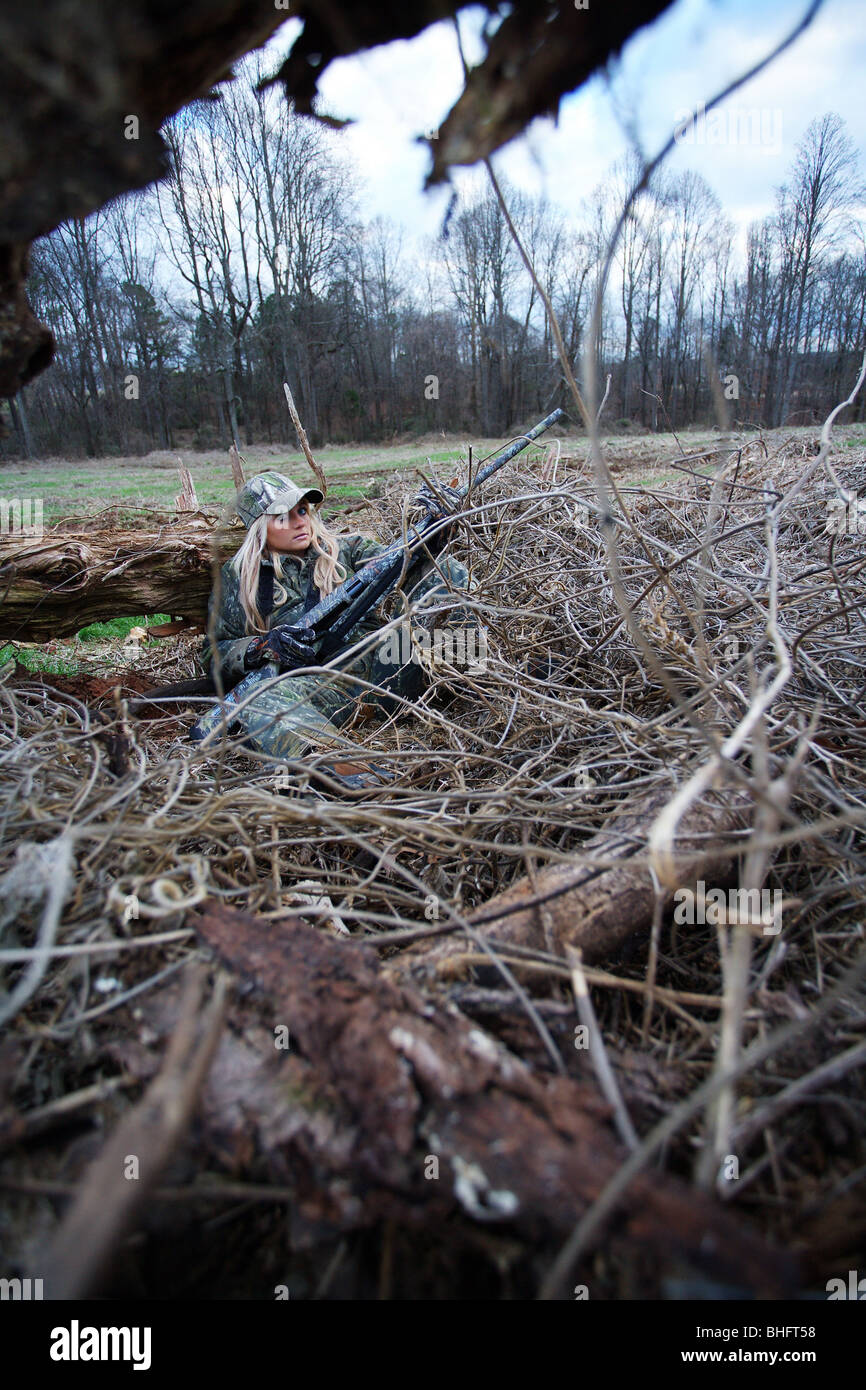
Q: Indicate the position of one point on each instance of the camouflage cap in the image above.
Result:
(271, 493)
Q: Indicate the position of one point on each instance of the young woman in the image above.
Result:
(288, 561)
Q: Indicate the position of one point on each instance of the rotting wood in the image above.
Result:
(55, 585)
(594, 911)
(377, 1080)
(186, 500)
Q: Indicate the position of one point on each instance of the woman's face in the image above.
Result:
(292, 532)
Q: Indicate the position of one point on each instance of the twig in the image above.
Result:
(147, 1136)
(769, 1112)
(598, 1054)
(305, 443)
(58, 870)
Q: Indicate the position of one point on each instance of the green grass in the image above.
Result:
(38, 661)
(63, 662)
(345, 492)
(654, 480)
(119, 627)
(132, 487)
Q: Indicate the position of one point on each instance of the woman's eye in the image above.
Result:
(302, 511)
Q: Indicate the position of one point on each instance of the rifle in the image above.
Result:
(335, 616)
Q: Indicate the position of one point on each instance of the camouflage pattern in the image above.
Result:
(303, 710)
(272, 493)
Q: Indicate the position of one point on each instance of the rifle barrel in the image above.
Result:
(514, 449)
(350, 613)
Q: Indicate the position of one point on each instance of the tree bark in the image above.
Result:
(595, 912)
(54, 586)
(379, 1103)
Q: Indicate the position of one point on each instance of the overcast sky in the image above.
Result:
(396, 92)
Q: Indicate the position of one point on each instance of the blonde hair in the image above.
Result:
(328, 573)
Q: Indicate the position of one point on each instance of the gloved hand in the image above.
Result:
(429, 505)
(435, 506)
(282, 646)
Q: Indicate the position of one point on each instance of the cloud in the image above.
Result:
(403, 89)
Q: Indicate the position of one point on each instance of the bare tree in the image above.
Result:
(812, 214)
(693, 209)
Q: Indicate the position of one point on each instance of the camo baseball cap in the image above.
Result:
(272, 493)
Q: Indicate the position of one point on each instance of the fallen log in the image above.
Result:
(54, 585)
(382, 1105)
(597, 911)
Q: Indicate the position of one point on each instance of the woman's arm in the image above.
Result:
(230, 634)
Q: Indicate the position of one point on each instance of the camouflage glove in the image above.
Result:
(281, 646)
(436, 508)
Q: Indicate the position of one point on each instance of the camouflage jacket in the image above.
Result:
(231, 633)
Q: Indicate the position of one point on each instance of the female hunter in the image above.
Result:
(288, 561)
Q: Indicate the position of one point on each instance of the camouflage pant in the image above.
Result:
(285, 720)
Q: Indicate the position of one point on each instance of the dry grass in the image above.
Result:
(753, 616)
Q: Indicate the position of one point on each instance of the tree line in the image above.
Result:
(179, 311)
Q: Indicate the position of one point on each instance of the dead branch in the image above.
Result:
(186, 500)
(598, 910)
(304, 442)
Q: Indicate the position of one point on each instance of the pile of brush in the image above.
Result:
(609, 911)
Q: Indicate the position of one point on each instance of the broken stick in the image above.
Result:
(305, 443)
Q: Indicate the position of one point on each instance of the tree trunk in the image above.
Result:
(385, 1104)
(52, 587)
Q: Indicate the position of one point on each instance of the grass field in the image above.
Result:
(83, 487)
(132, 486)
